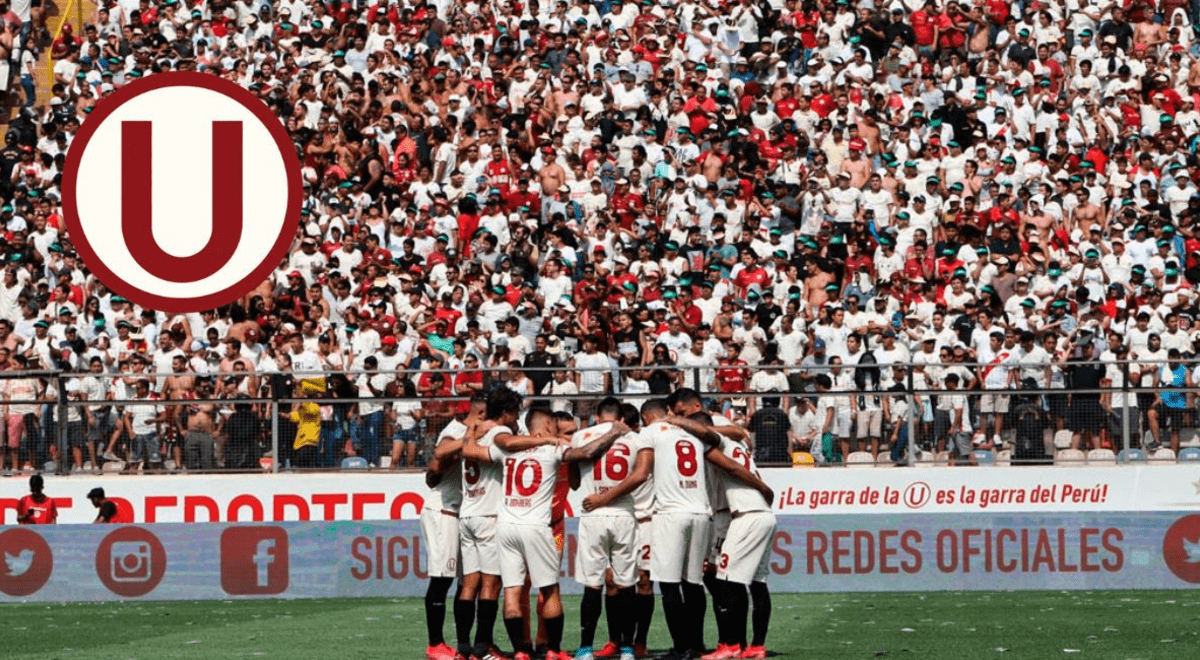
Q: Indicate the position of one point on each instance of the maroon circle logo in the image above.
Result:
(26, 562)
(1181, 548)
(182, 191)
(131, 562)
(916, 494)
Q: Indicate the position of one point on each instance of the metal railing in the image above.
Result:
(912, 427)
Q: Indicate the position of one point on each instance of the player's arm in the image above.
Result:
(739, 472)
(643, 465)
(471, 450)
(446, 452)
(574, 478)
(706, 434)
(512, 443)
(596, 448)
(732, 431)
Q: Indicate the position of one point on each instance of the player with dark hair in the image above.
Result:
(686, 402)
(523, 537)
(680, 526)
(744, 560)
(480, 556)
(608, 533)
(439, 525)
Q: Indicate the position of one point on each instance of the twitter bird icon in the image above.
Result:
(19, 563)
(1192, 549)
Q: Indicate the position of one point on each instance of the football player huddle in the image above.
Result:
(670, 495)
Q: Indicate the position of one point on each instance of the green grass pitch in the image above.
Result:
(953, 625)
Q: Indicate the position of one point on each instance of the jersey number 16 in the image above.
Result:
(614, 464)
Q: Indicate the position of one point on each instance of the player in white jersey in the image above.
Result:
(640, 485)
(480, 558)
(439, 526)
(685, 402)
(607, 533)
(523, 534)
(681, 515)
(744, 561)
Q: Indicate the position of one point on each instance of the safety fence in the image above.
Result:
(827, 414)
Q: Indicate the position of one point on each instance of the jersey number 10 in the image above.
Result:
(515, 477)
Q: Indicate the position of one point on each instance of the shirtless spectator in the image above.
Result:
(199, 423)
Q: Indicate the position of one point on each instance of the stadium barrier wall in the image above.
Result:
(912, 552)
(374, 496)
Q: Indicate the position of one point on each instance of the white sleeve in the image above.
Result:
(495, 454)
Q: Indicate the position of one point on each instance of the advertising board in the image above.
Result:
(806, 492)
(911, 552)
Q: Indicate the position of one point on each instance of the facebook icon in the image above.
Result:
(254, 560)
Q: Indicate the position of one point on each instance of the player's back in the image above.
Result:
(716, 486)
(741, 497)
(529, 482)
(481, 480)
(448, 494)
(603, 474)
(680, 480)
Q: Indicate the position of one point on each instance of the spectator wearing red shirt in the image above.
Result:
(467, 383)
(920, 264)
(751, 274)
(1003, 212)
(951, 29)
(786, 104)
(447, 311)
(626, 204)
(998, 12)
(689, 314)
(948, 262)
(732, 372)
(924, 25)
(499, 172)
(35, 508)
(822, 102)
(522, 196)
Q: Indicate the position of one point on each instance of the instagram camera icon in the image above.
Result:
(254, 561)
(130, 561)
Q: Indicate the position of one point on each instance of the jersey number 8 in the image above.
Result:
(685, 458)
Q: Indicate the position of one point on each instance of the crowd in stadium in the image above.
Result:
(572, 199)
